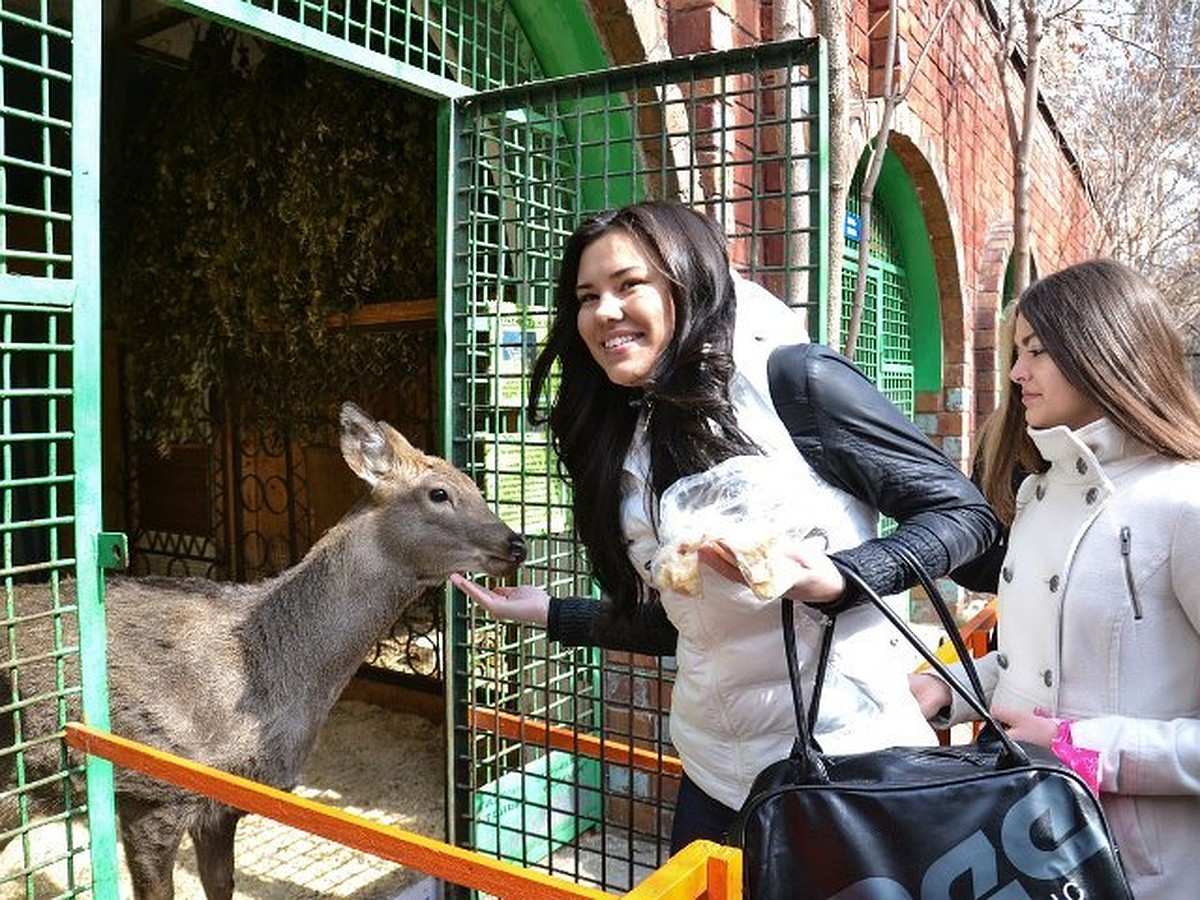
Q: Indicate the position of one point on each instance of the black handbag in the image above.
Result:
(996, 818)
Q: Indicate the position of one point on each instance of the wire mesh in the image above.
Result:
(48, 239)
(477, 43)
(562, 757)
(40, 681)
(35, 176)
(884, 347)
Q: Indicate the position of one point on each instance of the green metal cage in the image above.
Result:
(884, 350)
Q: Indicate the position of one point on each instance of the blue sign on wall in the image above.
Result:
(853, 227)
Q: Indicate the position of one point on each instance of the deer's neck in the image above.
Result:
(315, 623)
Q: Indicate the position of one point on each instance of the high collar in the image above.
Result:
(1100, 442)
(763, 320)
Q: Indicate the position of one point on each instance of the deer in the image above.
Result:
(241, 677)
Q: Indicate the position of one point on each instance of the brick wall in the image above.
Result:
(952, 138)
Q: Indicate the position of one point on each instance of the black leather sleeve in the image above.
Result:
(983, 572)
(858, 440)
(585, 622)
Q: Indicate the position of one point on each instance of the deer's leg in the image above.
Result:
(151, 833)
(213, 837)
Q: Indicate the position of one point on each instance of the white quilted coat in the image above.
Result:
(731, 712)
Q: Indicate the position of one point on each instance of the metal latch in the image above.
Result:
(112, 549)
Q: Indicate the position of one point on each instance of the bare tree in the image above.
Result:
(1021, 32)
(829, 21)
(1125, 85)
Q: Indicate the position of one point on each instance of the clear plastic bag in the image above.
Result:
(751, 506)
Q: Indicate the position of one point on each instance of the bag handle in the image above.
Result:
(806, 746)
(944, 616)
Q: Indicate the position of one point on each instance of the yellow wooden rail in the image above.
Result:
(976, 633)
(701, 871)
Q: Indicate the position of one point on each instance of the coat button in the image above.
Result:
(1002, 660)
(1091, 495)
(1006, 574)
(1040, 492)
(1048, 678)
(1081, 466)
(1053, 583)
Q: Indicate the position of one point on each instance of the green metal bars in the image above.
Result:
(444, 49)
(740, 135)
(50, 435)
(884, 350)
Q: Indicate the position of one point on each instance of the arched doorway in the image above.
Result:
(900, 341)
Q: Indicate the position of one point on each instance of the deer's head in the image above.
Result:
(431, 512)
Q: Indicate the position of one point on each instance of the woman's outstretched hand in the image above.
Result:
(524, 603)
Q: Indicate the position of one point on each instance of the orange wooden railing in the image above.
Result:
(556, 737)
(702, 870)
(976, 633)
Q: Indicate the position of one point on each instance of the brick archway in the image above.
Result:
(989, 304)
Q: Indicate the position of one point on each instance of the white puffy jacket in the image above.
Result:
(731, 712)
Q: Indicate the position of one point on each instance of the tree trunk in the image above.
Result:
(829, 19)
(866, 192)
(1022, 151)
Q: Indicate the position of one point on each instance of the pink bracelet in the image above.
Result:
(1084, 762)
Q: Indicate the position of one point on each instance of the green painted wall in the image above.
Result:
(896, 189)
(561, 34)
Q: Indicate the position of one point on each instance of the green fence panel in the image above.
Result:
(50, 516)
(738, 134)
(444, 49)
(884, 349)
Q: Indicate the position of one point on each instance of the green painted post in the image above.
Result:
(85, 211)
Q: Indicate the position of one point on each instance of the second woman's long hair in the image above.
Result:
(1112, 337)
(692, 423)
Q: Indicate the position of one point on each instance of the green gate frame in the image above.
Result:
(56, 279)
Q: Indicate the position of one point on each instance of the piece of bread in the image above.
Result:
(762, 562)
(675, 568)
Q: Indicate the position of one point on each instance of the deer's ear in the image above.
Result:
(365, 447)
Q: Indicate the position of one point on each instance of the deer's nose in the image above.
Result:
(516, 548)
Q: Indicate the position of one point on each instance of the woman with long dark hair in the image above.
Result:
(659, 357)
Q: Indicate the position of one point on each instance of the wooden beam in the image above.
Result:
(401, 313)
(540, 733)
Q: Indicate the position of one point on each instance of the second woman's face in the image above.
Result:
(626, 313)
(1048, 397)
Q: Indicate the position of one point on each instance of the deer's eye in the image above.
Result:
(439, 495)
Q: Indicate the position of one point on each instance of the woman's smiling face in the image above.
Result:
(626, 312)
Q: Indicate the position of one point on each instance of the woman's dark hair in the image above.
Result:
(692, 424)
(1113, 339)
